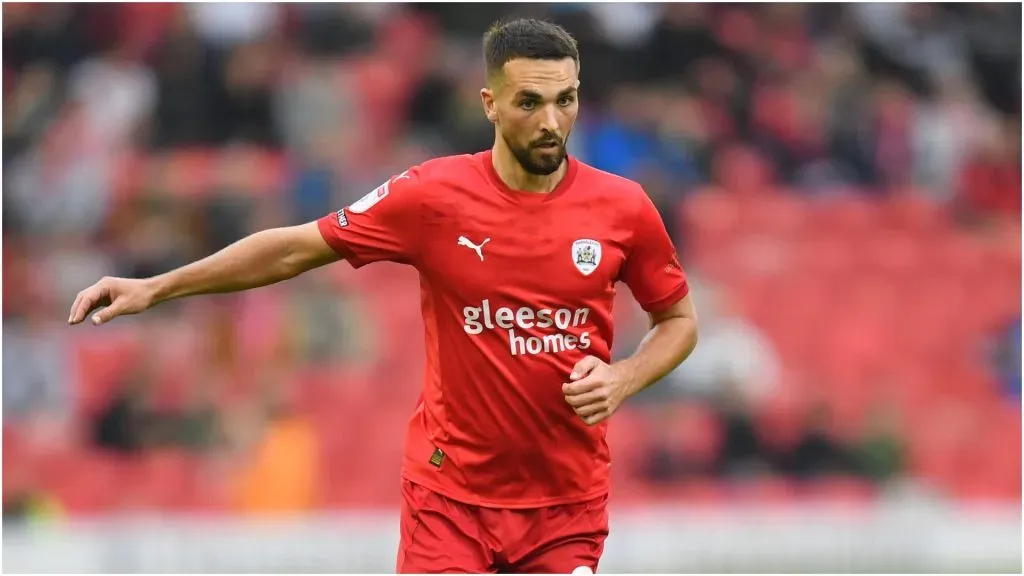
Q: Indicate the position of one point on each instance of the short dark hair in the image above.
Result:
(527, 38)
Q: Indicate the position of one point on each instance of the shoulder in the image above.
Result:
(612, 188)
(421, 182)
(445, 169)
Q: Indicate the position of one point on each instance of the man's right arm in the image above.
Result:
(382, 225)
(263, 258)
(257, 260)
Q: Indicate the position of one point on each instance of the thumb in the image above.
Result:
(584, 367)
(107, 314)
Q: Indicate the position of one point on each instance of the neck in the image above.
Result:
(515, 177)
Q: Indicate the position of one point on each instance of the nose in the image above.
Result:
(549, 120)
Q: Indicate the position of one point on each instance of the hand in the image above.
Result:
(595, 390)
(121, 296)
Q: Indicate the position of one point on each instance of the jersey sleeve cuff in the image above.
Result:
(326, 230)
(667, 300)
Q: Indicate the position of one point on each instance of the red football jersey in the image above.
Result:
(516, 287)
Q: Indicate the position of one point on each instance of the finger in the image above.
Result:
(584, 367)
(591, 382)
(591, 409)
(597, 396)
(84, 304)
(107, 314)
(74, 309)
(597, 418)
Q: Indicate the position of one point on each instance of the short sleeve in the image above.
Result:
(652, 269)
(382, 225)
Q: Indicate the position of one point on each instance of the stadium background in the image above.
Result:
(842, 181)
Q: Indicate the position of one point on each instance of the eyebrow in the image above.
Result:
(537, 96)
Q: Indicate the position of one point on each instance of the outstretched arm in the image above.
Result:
(260, 259)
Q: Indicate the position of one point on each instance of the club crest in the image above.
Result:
(586, 255)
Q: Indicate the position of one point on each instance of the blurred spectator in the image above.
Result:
(234, 23)
(945, 130)
(623, 141)
(55, 35)
(114, 93)
(818, 452)
(128, 423)
(743, 453)
(990, 183)
(280, 475)
(682, 445)
(63, 184)
(880, 452)
(39, 374)
(731, 350)
(154, 241)
(316, 107)
(228, 208)
(30, 506)
(329, 326)
(186, 78)
(198, 425)
(28, 109)
(995, 50)
(244, 111)
(680, 37)
(917, 43)
(330, 31)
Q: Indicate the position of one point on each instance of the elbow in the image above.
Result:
(302, 249)
(693, 335)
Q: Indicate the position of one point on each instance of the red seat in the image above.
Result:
(163, 480)
(894, 255)
(709, 217)
(846, 215)
(774, 215)
(626, 434)
(691, 492)
(766, 490)
(741, 170)
(911, 211)
(842, 490)
(86, 483)
(103, 360)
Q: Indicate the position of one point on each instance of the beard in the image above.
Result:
(536, 160)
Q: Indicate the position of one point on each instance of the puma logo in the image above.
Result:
(478, 248)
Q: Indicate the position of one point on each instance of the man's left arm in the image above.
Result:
(671, 339)
(657, 280)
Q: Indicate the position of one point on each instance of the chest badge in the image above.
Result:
(586, 255)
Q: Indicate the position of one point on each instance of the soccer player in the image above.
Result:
(519, 249)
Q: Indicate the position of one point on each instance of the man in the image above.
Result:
(519, 249)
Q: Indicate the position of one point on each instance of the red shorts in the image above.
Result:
(440, 535)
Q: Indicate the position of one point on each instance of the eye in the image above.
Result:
(566, 100)
(527, 105)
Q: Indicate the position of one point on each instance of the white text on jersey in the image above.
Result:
(561, 319)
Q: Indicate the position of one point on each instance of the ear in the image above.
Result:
(487, 98)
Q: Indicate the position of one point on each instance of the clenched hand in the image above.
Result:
(120, 296)
(596, 389)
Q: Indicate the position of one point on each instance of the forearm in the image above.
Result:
(257, 260)
(665, 346)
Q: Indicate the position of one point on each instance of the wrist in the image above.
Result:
(158, 289)
(627, 375)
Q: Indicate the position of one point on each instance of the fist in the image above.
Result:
(595, 390)
(117, 297)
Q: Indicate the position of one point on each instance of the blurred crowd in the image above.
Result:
(139, 137)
